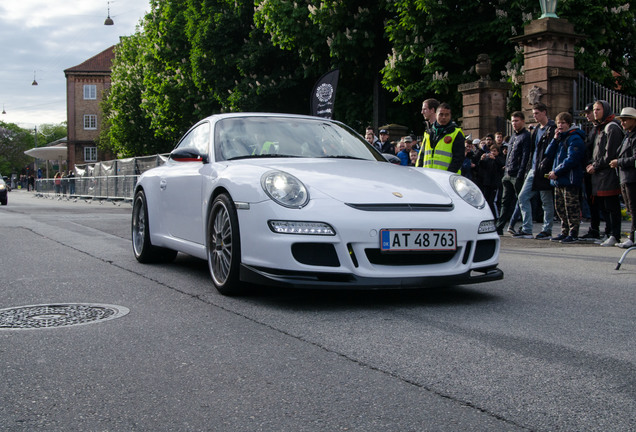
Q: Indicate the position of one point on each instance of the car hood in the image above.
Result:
(364, 182)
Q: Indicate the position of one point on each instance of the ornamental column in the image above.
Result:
(549, 46)
(484, 102)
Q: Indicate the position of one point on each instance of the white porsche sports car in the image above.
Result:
(302, 201)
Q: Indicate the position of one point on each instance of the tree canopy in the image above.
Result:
(192, 58)
(14, 141)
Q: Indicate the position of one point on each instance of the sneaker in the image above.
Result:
(559, 237)
(611, 241)
(569, 240)
(601, 239)
(591, 235)
(625, 245)
(523, 235)
(543, 236)
(511, 230)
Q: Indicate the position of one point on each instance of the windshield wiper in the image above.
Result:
(255, 156)
(342, 157)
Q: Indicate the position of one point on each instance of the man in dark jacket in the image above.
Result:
(566, 175)
(515, 171)
(536, 181)
(626, 164)
(594, 232)
(605, 184)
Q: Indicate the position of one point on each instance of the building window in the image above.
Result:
(90, 91)
(90, 122)
(90, 154)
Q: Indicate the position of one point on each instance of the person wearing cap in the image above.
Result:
(443, 147)
(626, 164)
(387, 145)
(605, 184)
(406, 144)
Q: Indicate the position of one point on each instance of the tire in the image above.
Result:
(143, 249)
(224, 246)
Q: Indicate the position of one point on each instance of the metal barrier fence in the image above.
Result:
(586, 91)
(109, 180)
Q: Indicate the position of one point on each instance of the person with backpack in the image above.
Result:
(605, 183)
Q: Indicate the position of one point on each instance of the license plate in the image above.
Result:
(417, 240)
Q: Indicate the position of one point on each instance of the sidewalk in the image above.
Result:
(507, 238)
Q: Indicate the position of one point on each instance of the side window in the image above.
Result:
(90, 91)
(198, 138)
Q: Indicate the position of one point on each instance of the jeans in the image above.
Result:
(525, 205)
(511, 188)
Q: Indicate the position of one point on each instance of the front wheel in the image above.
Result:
(143, 249)
(224, 246)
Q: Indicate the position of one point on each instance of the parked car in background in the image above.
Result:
(4, 191)
(302, 201)
(7, 182)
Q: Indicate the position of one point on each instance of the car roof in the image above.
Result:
(215, 117)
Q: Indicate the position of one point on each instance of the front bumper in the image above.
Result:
(295, 279)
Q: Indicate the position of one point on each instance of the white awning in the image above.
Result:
(56, 152)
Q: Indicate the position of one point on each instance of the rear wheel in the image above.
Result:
(224, 246)
(143, 249)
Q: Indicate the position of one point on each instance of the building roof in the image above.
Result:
(100, 63)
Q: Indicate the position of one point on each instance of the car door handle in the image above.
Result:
(162, 184)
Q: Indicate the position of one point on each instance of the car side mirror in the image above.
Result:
(188, 155)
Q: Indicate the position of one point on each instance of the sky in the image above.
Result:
(41, 38)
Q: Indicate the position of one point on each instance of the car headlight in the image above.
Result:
(285, 189)
(2, 187)
(468, 191)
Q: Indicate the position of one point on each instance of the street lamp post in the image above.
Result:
(548, 7)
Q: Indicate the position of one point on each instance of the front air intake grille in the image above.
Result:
(316, 254)
(408, 258)
(403, 207)
(484, 250)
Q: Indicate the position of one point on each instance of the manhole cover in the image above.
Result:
(52, 316)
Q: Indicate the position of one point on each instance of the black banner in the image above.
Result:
(323, 95)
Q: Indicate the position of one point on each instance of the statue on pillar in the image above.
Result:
(483, 67)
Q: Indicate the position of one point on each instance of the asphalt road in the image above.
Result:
(551, 347)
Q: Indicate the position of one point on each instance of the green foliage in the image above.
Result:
(127, 129)
(14, 141)
(235, 66)
(435, 44)
(610, 30)
(192, 58)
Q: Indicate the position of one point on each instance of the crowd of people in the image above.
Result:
(553, 168)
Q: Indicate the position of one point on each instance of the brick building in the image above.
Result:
(85, 86)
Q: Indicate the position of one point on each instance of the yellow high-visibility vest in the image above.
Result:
(441, 156)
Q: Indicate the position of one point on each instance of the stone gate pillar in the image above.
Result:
(484, 102)
(549, 47)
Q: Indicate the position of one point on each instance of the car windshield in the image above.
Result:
(270, 137)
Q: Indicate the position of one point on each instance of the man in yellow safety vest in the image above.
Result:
(443, 143)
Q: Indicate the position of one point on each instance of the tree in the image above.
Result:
(435, 44)
(14, 141)
(235, 66)
(348, 35)
(126, 130)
